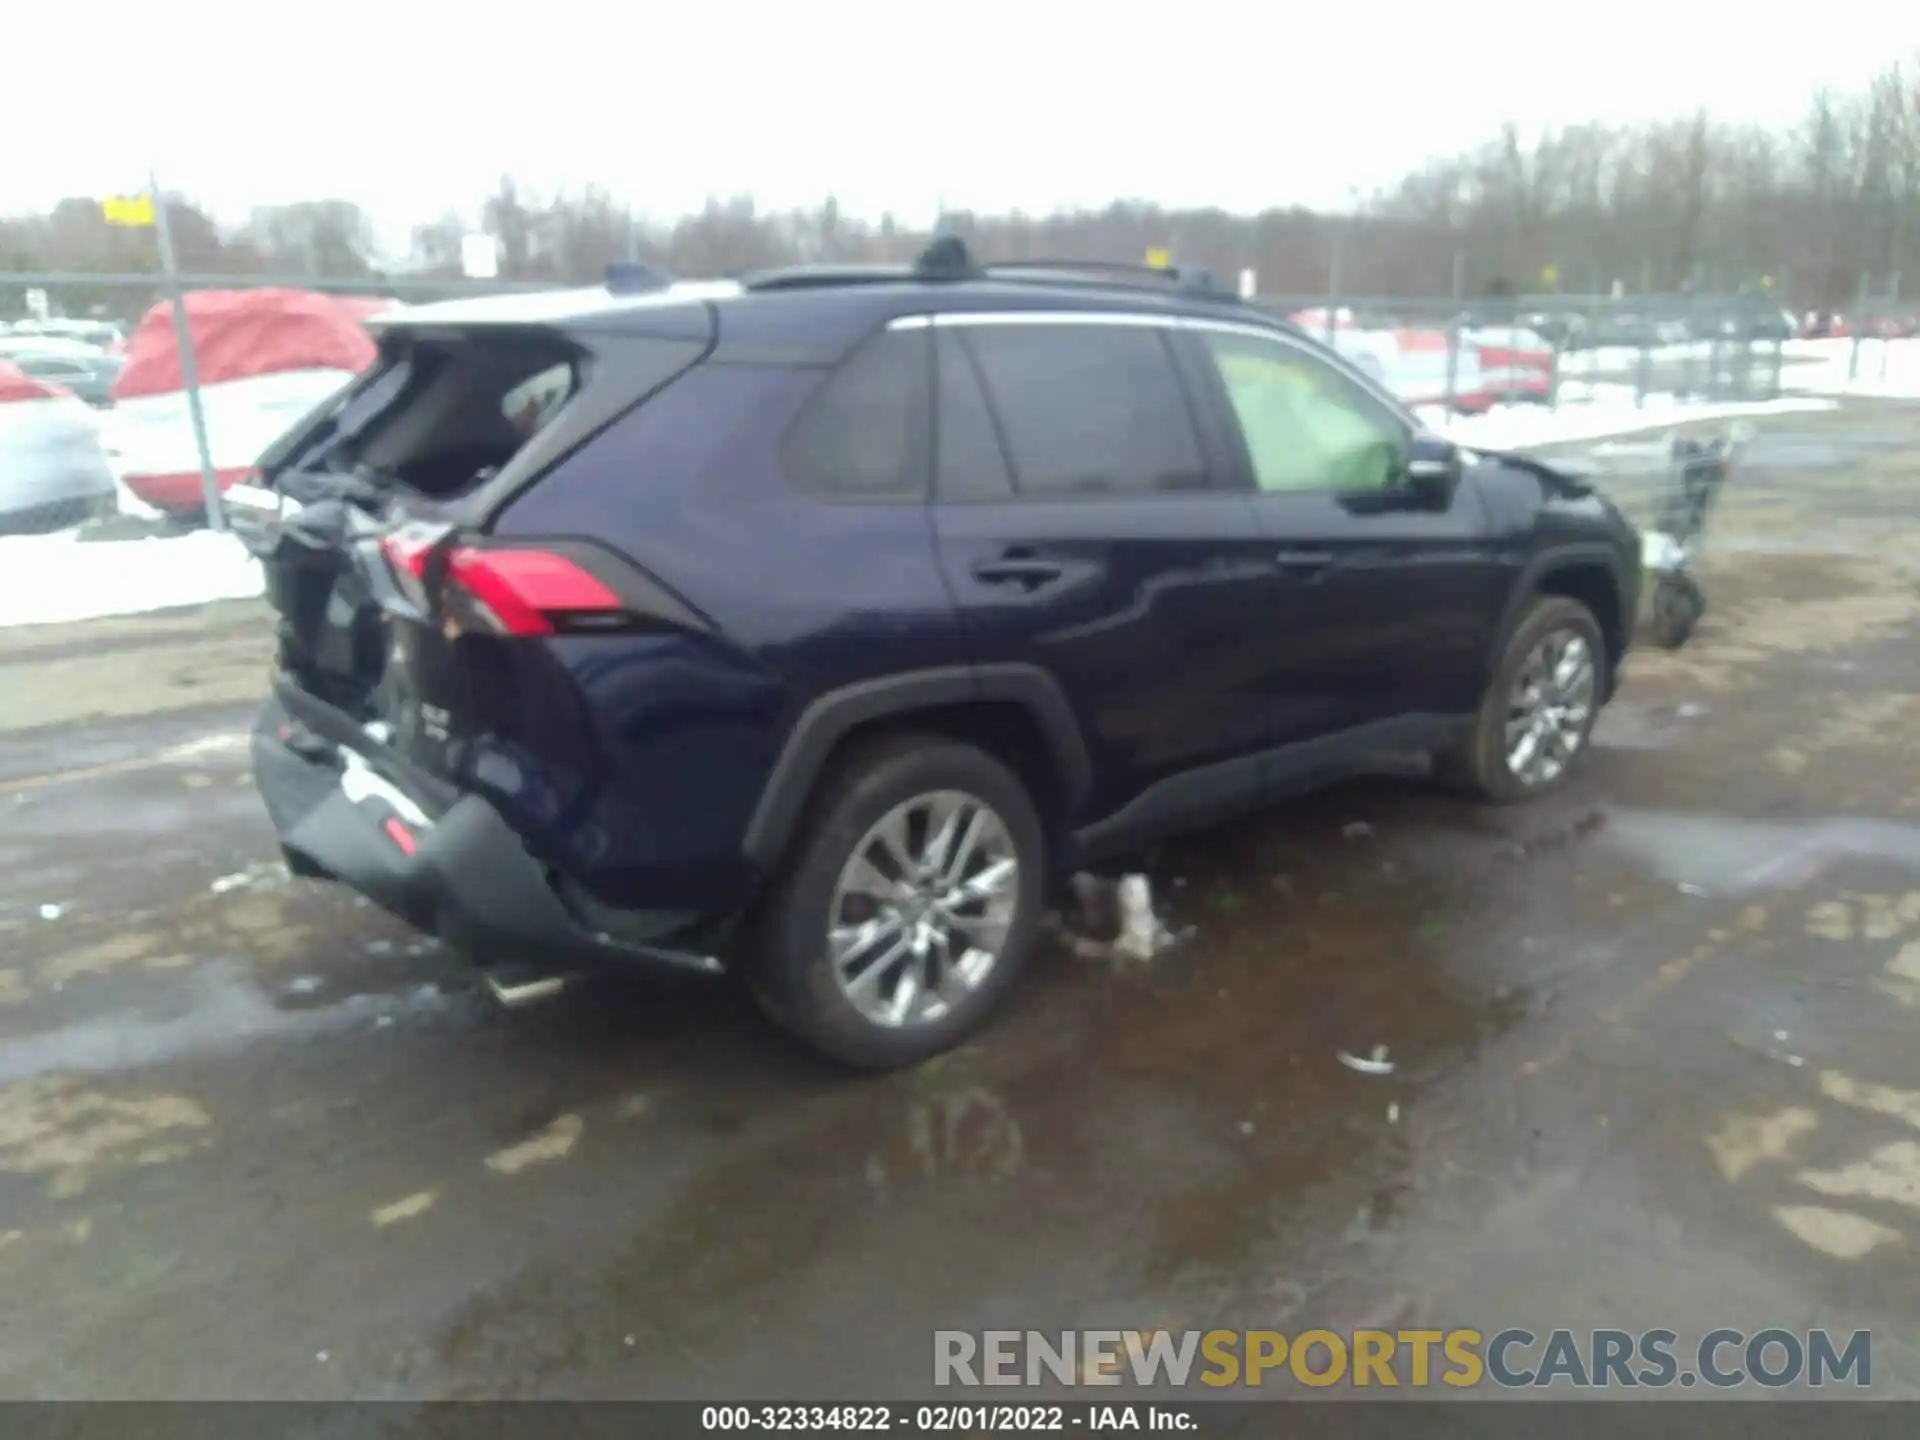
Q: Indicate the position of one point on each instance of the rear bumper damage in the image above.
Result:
(443, 861)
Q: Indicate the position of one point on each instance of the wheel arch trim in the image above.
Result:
(830, 717)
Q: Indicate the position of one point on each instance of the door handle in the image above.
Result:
(1028, 572)
(1303, 564)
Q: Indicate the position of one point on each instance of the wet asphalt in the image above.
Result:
(1651, 1038)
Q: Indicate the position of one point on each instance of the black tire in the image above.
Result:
(789, 971)
(1477, 764)
(1677, 607)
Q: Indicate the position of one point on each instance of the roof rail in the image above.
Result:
(947, 258)
(1187, 279)
(630, 277)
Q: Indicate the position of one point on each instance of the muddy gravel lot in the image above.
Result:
(1653, 1044)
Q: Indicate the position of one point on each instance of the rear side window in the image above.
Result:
(863, 435)
(1089, 409)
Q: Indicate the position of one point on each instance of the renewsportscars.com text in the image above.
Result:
(1511, 1358)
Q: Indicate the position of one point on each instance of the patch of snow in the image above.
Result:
(1887, 369)
(47, 579)
(1611, 412)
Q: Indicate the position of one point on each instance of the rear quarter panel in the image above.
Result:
(654, 749)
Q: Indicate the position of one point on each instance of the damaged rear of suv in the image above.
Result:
(413, 690)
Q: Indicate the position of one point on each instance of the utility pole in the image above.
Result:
(189, 371)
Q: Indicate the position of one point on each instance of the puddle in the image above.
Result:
(223, 1012)
(1729, 856)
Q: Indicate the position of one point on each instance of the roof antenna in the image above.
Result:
(946, 258)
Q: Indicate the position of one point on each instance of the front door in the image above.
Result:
(1403, 591)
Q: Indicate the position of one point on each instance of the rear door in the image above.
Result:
(1394, 596)
(1083, 527)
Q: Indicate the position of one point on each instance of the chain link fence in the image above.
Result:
(1455, 355)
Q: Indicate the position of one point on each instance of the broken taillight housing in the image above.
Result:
(511, 590)
(522, 592)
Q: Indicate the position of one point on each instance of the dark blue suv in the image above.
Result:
(818, 624)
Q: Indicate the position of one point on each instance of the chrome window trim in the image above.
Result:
(959, 319)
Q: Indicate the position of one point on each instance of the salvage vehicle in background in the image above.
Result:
(819, 624)
(264, 359)
(53, 473)
(84, 371)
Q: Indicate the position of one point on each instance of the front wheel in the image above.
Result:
(910, 905)
(1539, 710)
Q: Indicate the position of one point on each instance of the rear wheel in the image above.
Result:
(909, 907)
(1538, 713)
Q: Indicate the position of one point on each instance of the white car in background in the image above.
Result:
(53, 470)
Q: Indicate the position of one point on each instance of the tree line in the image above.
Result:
(1811, 212)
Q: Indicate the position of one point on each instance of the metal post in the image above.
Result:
(189, 371)
(1333, 282)
(1859, 318)
(1893, 306)
(1453, 328)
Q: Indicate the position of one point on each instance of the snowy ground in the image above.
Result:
(1610, 411)
(45, 579)
(1887, 369)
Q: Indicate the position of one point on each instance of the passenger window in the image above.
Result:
(1306, 426)
(970, 464)
(863, 434)
(1089, 409)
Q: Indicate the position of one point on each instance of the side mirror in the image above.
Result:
(1431, 468)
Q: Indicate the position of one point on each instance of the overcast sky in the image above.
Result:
(407, 109)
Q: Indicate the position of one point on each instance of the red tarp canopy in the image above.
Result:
(16, 384)
(240, 333)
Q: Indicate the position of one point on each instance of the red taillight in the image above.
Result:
(521, 591)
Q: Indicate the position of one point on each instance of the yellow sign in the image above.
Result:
(1550, 275)
(1158, 258)
(136, 210)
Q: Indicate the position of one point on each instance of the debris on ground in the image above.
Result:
(1142, 935)
(1376, 1064)
(1770, 1052)
(1691, 710)
(1687, 887)
(1356, 830)
(303, 985)
(262, 872)
(1393, 1112)
(52, 912)
(1113, 919)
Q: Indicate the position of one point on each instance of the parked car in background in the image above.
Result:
(827, 620)
(1887, 327)
(1562, 330)
(53, 472)
(103, 333)
(1618, 331)
(89, 376)
(264, 359)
